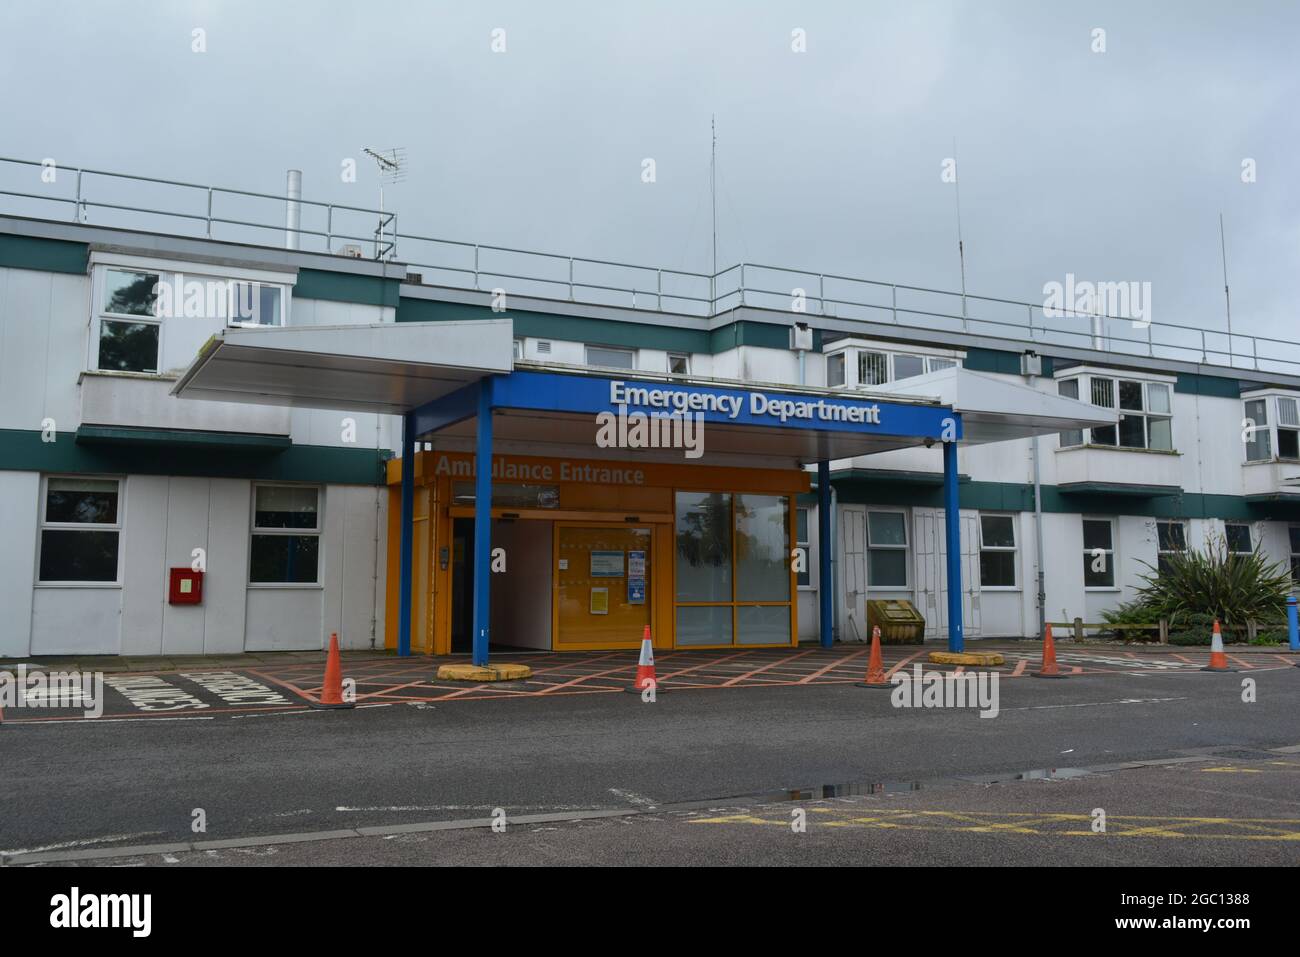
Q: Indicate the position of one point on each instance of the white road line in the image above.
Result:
(632, 797)
(87, 842)
(1095, 704)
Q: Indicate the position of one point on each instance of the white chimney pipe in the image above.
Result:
(292, 193)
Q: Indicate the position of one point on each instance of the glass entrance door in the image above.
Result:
(602, 586)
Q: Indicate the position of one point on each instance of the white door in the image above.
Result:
(853, 573)
(932, 572)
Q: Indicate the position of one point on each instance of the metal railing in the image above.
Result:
(122, 200)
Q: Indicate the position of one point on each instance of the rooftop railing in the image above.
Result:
(100, 197)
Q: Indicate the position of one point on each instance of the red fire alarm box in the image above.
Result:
(185, 587)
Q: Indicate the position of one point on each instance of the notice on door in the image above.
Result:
(606, 564)
(600, 601)
(636, 578)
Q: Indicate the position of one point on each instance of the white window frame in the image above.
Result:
(1085, 379)
(854, 354)
(101, 314)
(832, 360)
(1250, 534)
(45, 525)
(1014, 549)
(1273, 425)
(1180, 523)
(517, 349)
(686, 361)
(905, 548)
(1293, 544)
(318, 532)
(1112, 553)
(629, 352)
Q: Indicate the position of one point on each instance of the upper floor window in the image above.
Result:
(1272, 422)
(608, 358)
(835, 370)
(1145, 412)
(133, 304)
(878, 366)
(518, 349)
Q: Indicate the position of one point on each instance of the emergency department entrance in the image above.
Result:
(587, 553)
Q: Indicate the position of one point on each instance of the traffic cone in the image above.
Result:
(645, 668)
(1050, 668)
(1218, 660)
(331, 690)
(875, 666)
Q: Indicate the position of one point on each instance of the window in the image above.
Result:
(1265, 431)
(255, 304)
(1294, 532)
(679, 363)
(80, 530)
(1171, 539)
(804, 578)
(835, 370)
(873, 368)
(1098, 553)
(905, 367)
(1145, 413)
(517, 349)
(286, 535)
(1237, 535)
(1069, 388)
(886, 550)
(997, 551)
(128, 322)
(611, 358)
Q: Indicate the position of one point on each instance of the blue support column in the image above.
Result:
(952, 536)
(483, 523)
(825, 600)
(407, 540)
(1292, 624)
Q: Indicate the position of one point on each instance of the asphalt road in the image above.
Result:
(68, 787)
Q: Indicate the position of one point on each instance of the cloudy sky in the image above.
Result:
(1109, 165)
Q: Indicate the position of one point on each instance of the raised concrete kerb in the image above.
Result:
(482, 674)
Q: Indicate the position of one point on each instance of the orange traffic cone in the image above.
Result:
(645, 668)
(1218, 660)
(875, 666)
(1050, 669)
(331, 690)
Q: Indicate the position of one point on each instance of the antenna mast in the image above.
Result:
(392, 169)
(961, 248)
(713, 197)
(1227, 299)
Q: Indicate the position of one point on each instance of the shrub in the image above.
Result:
(1215, 583)
(1131, 613)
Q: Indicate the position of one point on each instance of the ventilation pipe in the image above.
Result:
(292, 194)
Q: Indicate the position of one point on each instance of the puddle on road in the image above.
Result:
(859, 789)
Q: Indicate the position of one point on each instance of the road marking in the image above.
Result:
(632, 798)
(151, 693)
(1094, 704)
(235, 688)
(86, 842)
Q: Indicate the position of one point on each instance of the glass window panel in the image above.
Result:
(997, 531)
(1288, 444)
(873, 368)
(1238, 537)
(128, 346)
(130, 293)
(1130, 395)
(801, 523)
(704, 625)
(1105, 435)
(997, 569)
(1286, 412)
(1157, 397)
(611, 358)
(763, 624)
(1103, 392)
(1105, 578)
(1096, 534)
(887, 568)
(936, 363)
(285, 506)
(907, 366)
(1171, 536)
(1295, 568)
(679, 364)
(1161, 434)
(835, 370)
(1069, 388)
(703, 546)
(73, 555)
(510, 495)
(762, 548)
(256, 304)
(1294, 533)
(886, 528)
(284, 559)
(1132, 431)
(88, 501)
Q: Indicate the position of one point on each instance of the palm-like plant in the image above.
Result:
(1231, 586)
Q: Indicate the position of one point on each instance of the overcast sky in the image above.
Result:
(1109, 165)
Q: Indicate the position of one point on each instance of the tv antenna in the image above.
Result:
(392, 169)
